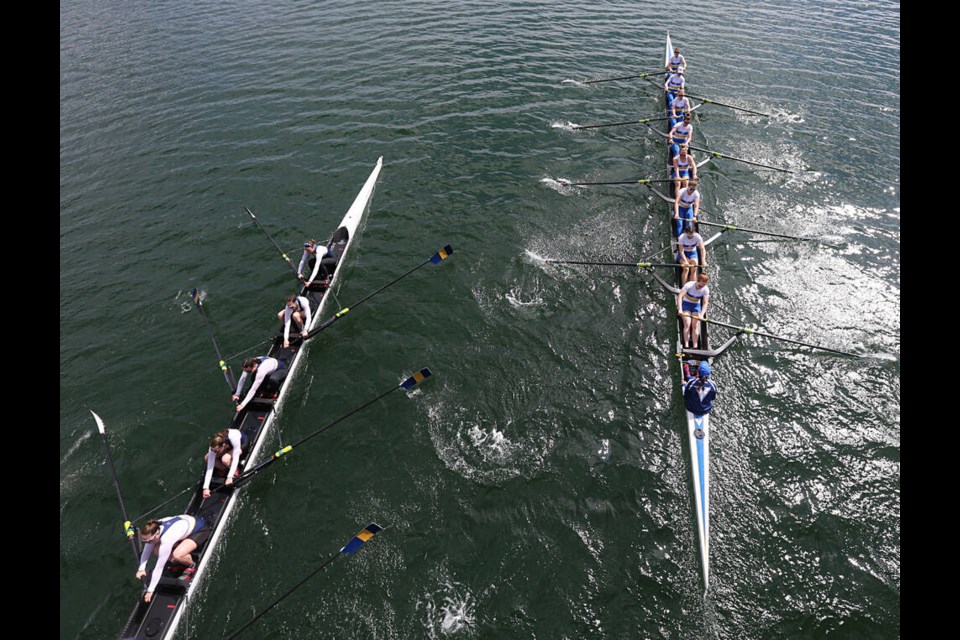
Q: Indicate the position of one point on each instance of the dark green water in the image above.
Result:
(538, 485)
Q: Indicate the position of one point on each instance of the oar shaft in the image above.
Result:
(276, 245)
(342, 312)
(619, 124)
(128, 530)
(729, 106)
(730, 227)
(281, 598)
(717, 154)
(441, 255)
(635, 265)
(638, 75)
(227, 373)
(763, 334)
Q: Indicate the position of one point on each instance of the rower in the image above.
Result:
(174, 539)
(224, 455)
(699, 391)
(674, 83)
(261, 368)
(319, 259)
(684, 168)
(692, 304)
(681, 105)
(297, 309)
(681, 133)
(692, 253)
(686, 205)
(676, 61)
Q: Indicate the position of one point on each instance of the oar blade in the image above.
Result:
(195, 296)
(416, 379)
(441, 255)
(361, 538)
(100, 426)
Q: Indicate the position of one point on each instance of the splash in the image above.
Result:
(516, 297)
(560, 185)
(450, 609)
(576, 83)
(566, 126)
(76, 445)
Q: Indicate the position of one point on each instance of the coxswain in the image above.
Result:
(173, 539)
(224, 456)
(684, 168)
(686, 205)
(675, 82)
(699, 391)
(296, 310)
(260, 368)
(691, 253)
(318, 258)
(692, 304)
(680, 134)
(680, 106)
(676, 61)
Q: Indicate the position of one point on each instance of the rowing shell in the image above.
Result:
(161, 616)
(698, 427)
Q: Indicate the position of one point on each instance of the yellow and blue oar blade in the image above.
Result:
(416, 379)
(358, 541)
(441, 255)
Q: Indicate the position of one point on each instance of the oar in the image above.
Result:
(729, 106)
(754, 332)
(639, 75)
(730, 227)
(567, 183)
(127, 525)
(636, 265)
(283, 255)
(353, 546)
(227, 374)
(409, 383)
(619, 124)
(717, 154)
(436, 258)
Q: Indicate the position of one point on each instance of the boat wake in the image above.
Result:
(566, 126)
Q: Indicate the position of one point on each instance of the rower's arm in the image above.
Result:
(703, 252)
(208, 476)
(243, 378)
(303, 261)
(287, 318)
(308, 314)
(703, 305)
(235, 442)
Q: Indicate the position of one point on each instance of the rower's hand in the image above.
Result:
(235, 398)
(140, 574)
(239, 408)
(148, 596)
(307, 283)
(286, 344)
(206, 493)
(229, 482)
(303, 334)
